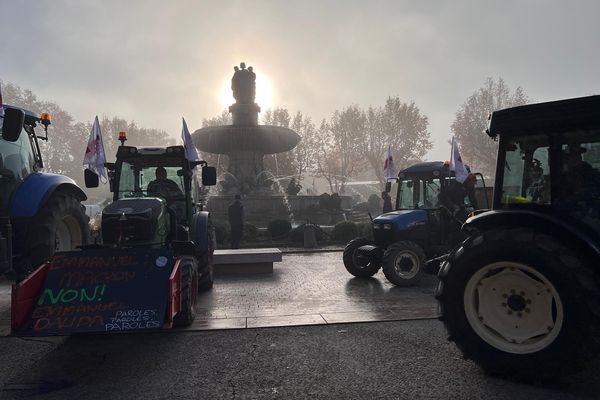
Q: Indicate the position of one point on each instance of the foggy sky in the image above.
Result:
(155, 61)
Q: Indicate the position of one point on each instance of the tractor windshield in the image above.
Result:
(16, 162)
(17, 159)
(562, 171)
(418, 193)
(150, 181)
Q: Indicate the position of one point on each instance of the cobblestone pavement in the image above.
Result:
(310, 288)
(304, 289)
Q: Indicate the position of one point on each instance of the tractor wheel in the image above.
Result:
(60, 225)
(189, 279)
(206, 273)
(206, 268)
(519, 303)
(403, 263)
(361, 267)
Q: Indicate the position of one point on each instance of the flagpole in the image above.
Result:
(451, 155)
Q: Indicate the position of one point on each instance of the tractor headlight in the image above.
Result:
(387, 226)
(376, 226)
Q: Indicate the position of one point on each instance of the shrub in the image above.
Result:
(279, 228)
(297, 234)
(222, 231)
(325, 201)
(373, 202)
(335, 202)
(250, 233)
(365, 229)
(344, 231)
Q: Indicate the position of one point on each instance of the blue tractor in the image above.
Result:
(430, 207)
(40, 213)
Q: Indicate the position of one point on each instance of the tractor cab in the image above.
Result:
(19, 150)
(431, 206)
(552, 173)
(152, 196)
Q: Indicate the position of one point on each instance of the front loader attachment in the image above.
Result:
(99, 290)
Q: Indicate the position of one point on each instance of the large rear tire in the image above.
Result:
(60, 225)
(206, 268)
(358, 266)
(189, 279)
(403, 263)
(517, 302)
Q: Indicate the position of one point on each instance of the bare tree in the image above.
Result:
(399, 125)
(476, 148)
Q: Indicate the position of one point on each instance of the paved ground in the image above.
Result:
(408, 359)
(310, 288)
(304, 289)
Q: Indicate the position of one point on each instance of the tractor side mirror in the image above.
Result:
(110, 166)
(91, 178)
(388, 186)
(13, 124)
(209, 176)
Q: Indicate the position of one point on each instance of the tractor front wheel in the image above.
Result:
(358, 265)
(60, 225)
(519, 303)
(403, 263)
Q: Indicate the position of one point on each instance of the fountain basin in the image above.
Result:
(263, 139)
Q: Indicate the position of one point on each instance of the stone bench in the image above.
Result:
(245, 261)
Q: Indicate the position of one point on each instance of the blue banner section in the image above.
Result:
(102, 291)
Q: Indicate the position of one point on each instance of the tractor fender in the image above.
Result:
(37, 188)
(572, 235)
(200, 230)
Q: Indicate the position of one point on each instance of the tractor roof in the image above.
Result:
(30, 117)
(152, 156)
(427, 167)
(551, 117)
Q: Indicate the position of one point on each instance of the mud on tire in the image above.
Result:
(520, 304)
(358, 267)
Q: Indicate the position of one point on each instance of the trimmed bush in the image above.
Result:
(325, 201)
(222, 231)
(297, 234)
(335, 202)
(344, 231)
(279, 228)
(365, 229)
(374, 203)
(250, 233)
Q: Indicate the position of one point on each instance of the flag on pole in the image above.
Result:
(389, 171)
(1, 106)
(456, 163)
(191, 153)
(95, 157)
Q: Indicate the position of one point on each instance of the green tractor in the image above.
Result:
(521, 295)
(153, 205)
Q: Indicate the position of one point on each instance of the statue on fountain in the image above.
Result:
(243, 84)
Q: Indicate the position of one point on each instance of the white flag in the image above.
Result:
(190, 150)
(95, 157)
(389, 171)
(456, 163)
(1, 105)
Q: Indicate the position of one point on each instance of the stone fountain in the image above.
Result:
(245, 143)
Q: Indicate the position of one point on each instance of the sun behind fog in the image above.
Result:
(264, 93)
